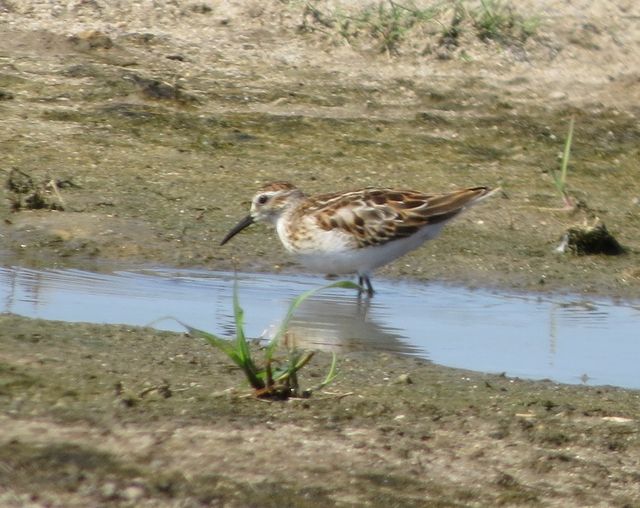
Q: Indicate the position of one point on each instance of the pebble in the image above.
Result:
(109, 490)
(403, 379)
(133, 493)
(557, 95)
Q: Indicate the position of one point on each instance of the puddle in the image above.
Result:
(564, 338)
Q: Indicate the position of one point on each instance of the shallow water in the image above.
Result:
(564, 338)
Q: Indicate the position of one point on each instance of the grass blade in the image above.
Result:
(561, 179)
(242, 346)
(566, 154)
(331, 375)
(245, 363)
(222, 344)
(238, 313)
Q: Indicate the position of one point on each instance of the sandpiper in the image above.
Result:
(354, 231)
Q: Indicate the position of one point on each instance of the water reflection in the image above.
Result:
(343, 325)
(564, 338)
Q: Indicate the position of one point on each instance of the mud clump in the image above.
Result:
(26, 194)
(594, 239)
(155, 89)
(91, 39)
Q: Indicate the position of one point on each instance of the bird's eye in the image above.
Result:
(263, 199)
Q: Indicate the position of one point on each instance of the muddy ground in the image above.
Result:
(136, 132)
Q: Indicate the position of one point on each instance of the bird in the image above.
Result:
(357, 231)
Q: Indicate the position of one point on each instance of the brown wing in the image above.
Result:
(377, 216)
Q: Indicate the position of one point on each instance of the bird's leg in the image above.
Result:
(370, 290)
(365, 283)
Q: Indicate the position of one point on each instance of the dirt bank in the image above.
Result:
(120, 416)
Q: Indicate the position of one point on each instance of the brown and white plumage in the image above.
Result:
(354, 231)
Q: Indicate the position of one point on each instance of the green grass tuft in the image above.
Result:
(497, 20)
(391, 23)
(270, 378)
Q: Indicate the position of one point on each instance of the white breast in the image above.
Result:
(335, 252)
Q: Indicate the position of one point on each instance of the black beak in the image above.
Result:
(246, 222)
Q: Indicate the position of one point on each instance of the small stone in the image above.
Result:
(403, 379)
(617, 419)
(557, 95)
(133, 493)
(109, 490)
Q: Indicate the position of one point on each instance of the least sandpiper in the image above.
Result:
(354, 231)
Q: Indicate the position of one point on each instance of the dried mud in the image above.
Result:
(140, 132)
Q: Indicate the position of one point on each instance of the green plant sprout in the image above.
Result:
(560, 177)
(496, 20)
(392, 23)
(272, 378)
